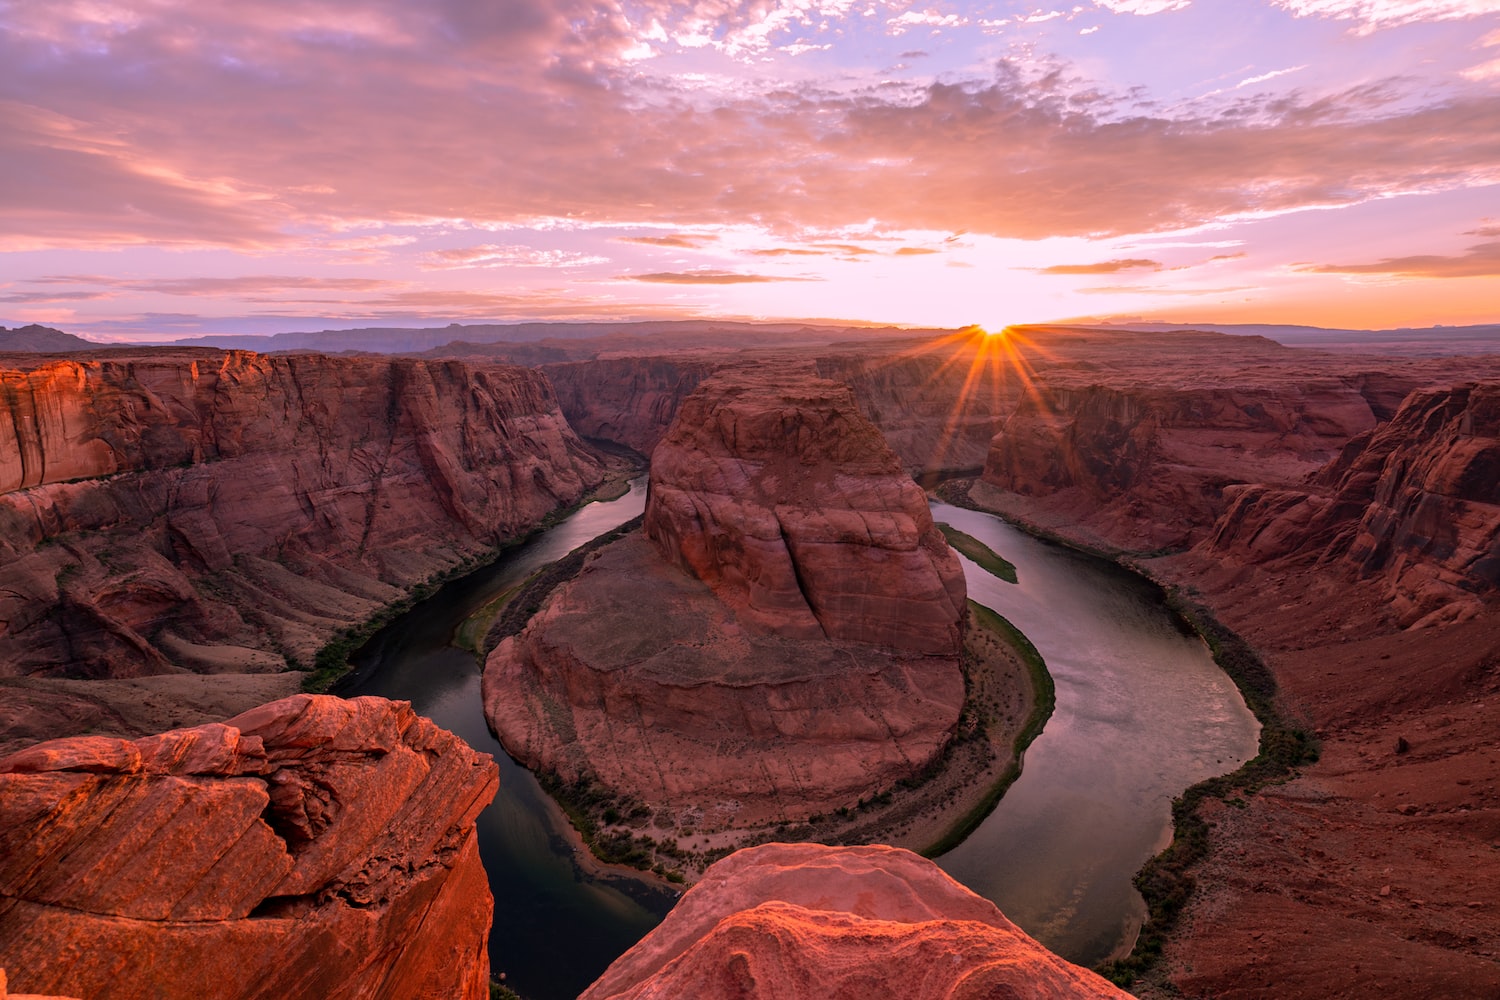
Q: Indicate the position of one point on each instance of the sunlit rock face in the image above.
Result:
(807, 922)
(781, 641)
(312, 847)
(229, 511)
(1413, 504)
(785, 500)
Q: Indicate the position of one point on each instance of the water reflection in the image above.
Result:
(556, 928)
(1142, 713)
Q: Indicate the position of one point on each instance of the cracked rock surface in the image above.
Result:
(311, 847)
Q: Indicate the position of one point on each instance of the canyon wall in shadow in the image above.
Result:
(230, 512)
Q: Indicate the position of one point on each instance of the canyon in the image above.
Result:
(311, 847)
(178, 513)
(781, 639)
(179, 526)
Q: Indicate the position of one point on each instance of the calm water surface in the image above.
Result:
(1142, 713)
(556, 928)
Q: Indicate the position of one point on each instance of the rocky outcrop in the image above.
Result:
(786, 501)
(1147, 468)
(1413, 504)
(231, 511)
(312, 847)
(806, 922)
(783, 640)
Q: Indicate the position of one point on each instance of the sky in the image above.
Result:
(172, 168)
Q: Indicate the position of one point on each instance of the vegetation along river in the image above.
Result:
(1142, 712)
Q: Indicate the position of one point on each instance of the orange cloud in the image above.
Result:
(708, 277)
(1479, 261)
(683, 241)
(1103, 267)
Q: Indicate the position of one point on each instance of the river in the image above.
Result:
(1142, 712)
(556, 927)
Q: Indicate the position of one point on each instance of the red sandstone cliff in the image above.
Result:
(1368, 587)
(806, 922)
(786, 501)
(629, 401)
(1413, 504)
(224, 511)
(1146, 467)
(312, 847)
(784, 644)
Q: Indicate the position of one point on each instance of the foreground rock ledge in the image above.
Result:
(794, 921)
(312, 847)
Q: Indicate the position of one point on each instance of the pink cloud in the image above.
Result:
(1373, 14)
(255, 128)
(1479, 261)
(709, 277)
(1103, 267)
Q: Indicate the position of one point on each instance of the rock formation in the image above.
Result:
(1147, 467)
(230, 512)
(1414, 504)
(786, 501)
(782, 643)
(312, 847)
(806, 922)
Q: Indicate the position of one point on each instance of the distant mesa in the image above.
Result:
(807, 922)
(781, 640)
(36, 339)
(321, 845)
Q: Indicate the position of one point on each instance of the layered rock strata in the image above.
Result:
(229, 512)
(782, 641)
(312, 847)
(1413, 504)
(805, 922)
(1147, 467)
(787, 502)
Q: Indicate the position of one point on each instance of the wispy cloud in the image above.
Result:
(1103, 267)
(709, 277)
(1373, 14)
(508, 255)
(1142, 7)
(678, 240)
(1479, 261)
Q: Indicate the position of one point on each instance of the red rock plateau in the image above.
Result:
(312, 847)
(781, 641)
(228, 513)
(806, 922)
